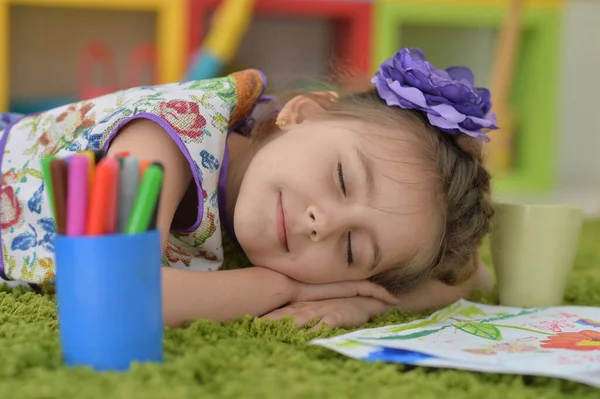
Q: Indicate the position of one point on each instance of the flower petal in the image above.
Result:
(454, 128)
(469, 109)
(441, 122)
(393, 72)
(421, 81)
(483, 93)
(384, 91)
(461, 73)
(485, 96)
(449, 113)
(457, 92)
(435, 100)
(417, 51)
(492, 117)
(439, 75)
(468, 124)
(481, 122)
(411, 94)
(391, 98)
(387, 63)
(405, 61)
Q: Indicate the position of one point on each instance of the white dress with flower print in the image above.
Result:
(197, 115)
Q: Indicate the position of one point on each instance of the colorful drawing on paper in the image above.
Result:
(562, 342)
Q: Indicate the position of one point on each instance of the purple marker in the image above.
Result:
(77, 195)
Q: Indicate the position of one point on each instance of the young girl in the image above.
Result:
(346, 205)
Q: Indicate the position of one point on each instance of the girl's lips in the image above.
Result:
(281, 230)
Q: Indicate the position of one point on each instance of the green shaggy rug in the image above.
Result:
(247, 359)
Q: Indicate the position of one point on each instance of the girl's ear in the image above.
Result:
(300, 108)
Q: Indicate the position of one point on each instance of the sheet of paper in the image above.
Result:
(561, 342)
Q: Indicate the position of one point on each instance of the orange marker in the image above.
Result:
(143, 166)
(102, 216)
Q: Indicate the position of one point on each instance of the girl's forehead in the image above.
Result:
(397, 158)
(402, 157)
(406, 179)
(402, 140)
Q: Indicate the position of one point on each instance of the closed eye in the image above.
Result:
(350, 256)
(340, 172)
(349, 250)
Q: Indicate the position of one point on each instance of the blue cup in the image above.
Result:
(109, 297)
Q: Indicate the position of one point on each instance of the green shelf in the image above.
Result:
(535, 92)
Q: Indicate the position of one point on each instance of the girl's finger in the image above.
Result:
(300, 318)
(321, 325)
(274, 315)
(346, 289)
(332, 320)
(369, 289)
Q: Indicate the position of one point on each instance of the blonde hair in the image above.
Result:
(461, 180)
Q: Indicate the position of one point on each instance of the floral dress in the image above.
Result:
(197, 115)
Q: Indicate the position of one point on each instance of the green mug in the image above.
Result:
(533, 252)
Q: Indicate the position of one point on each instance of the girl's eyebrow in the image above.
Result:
(367, 168)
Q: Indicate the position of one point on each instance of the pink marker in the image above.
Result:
(77, 195)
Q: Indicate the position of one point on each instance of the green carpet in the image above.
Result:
(258, 359)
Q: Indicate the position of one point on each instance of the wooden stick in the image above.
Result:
(507, 49)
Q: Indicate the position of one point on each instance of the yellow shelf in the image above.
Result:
(171, 32)
(4, 95)
(98, 4)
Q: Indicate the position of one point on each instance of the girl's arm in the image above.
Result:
(221, 295)
(147, 141)
(229, 294)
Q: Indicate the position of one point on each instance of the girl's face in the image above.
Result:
(320, 203)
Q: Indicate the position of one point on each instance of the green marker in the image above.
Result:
(48, 181)
(146, 200)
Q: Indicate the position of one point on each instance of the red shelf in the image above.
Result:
(351, 21)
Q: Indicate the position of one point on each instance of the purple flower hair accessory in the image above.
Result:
(448, 97)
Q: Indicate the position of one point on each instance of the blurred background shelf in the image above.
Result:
(293, 40)
(41, 42)
(297, 42)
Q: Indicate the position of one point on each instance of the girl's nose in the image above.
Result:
(322, 223)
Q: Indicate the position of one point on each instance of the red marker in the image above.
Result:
(102, 216)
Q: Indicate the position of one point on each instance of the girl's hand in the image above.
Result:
(347, 289)
(332, 313)
(483, 280)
